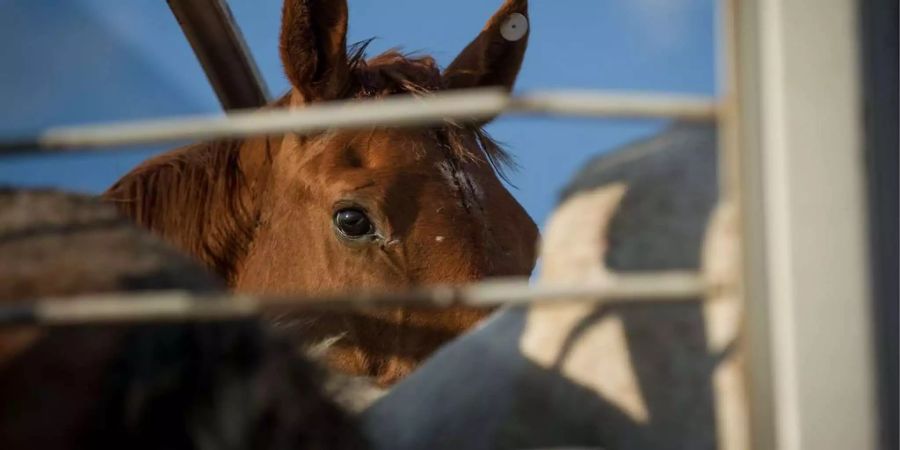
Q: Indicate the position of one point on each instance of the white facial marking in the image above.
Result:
(439, 239)
(318, 350)
(514, 27)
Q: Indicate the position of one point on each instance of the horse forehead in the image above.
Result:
(382, 160)
(394, 148)
(420, 154)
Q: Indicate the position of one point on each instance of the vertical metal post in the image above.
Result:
(732, 400)
(804, 215)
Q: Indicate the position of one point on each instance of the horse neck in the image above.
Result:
(202, 198)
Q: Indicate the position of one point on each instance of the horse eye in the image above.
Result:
(353, 223)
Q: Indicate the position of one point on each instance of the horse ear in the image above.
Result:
(314, 47)
(495, 56)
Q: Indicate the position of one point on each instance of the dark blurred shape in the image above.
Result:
(878, 26)
(235, 385)
(59, 244)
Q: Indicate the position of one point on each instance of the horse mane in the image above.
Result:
(197, 197)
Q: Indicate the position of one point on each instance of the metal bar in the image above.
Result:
(593, 103)
(217, 41)
(757, 334)
(805, 183)
(174, 306)
(397, 111)
(731, 378)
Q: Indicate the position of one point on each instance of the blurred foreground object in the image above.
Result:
(231, 384)
(576, 374)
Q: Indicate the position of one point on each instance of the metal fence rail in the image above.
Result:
(397, 111)
(177, 306)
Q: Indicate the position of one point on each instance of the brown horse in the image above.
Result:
(368, 209)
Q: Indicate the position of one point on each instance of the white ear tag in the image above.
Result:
(514, 27)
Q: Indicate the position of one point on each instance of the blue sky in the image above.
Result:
(82, 61)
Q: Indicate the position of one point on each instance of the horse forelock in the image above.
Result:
(394, 72)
